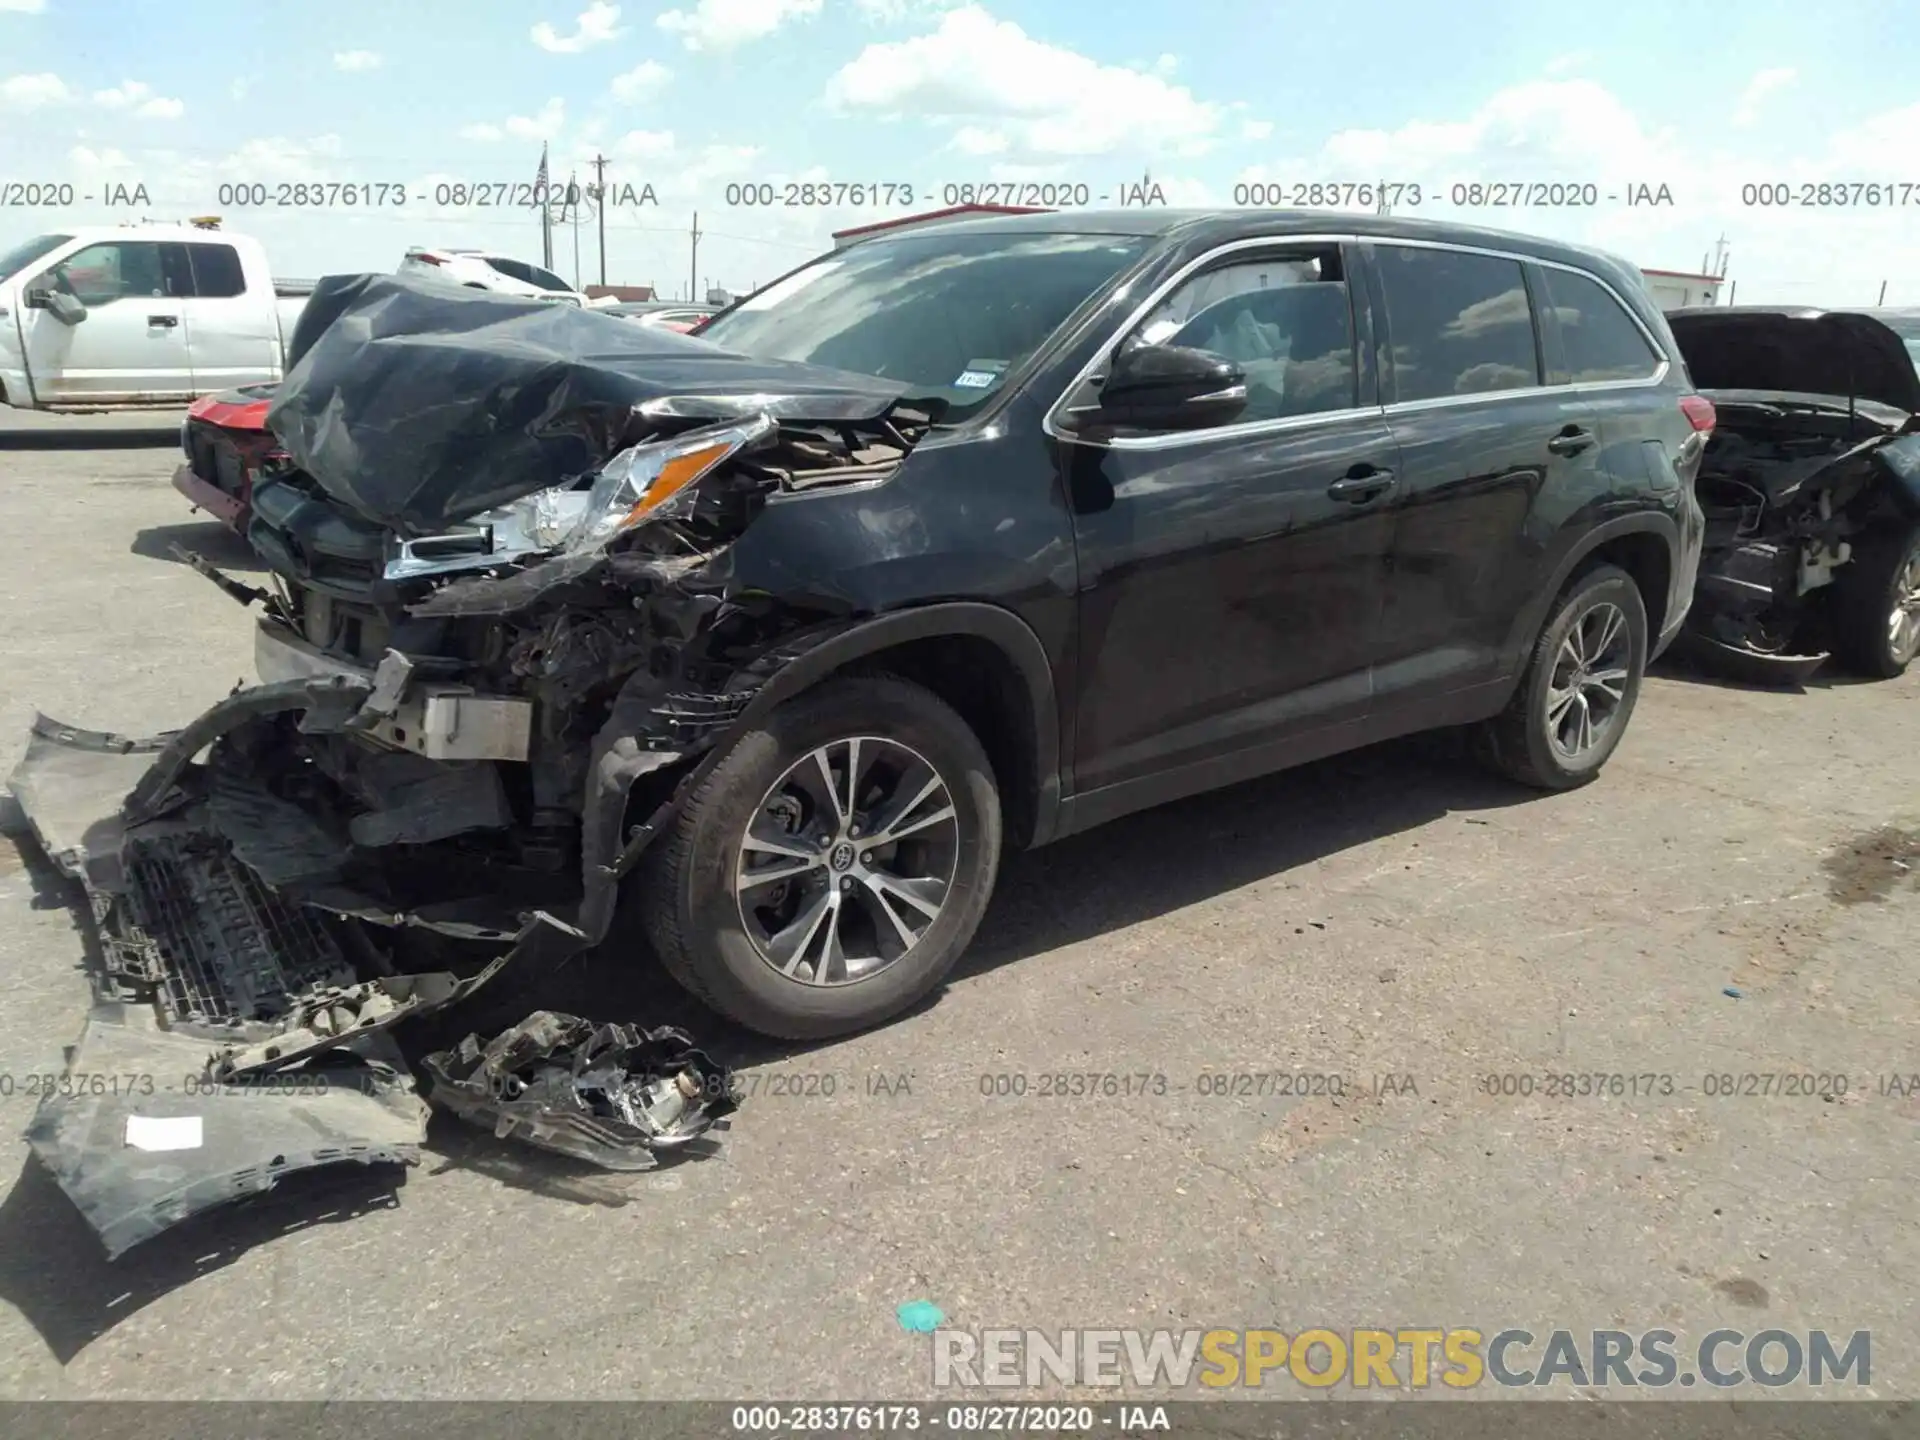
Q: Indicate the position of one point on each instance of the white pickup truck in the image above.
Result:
(121, 317)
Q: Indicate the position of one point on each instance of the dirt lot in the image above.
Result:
(1392, 913)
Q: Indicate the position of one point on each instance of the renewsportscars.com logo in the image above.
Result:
(1459, 1358)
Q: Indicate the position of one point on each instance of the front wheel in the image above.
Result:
(831, 869)
(1574, 700)
(1876, 605)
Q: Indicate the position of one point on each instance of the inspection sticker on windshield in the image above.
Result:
(979, 374)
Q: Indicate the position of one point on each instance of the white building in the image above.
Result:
(1673, 288)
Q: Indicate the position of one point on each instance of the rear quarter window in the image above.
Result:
(216, 271)
(1599, 340)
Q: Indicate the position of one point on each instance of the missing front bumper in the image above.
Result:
(233, 1038)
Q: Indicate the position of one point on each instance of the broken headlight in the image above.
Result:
(642, 482)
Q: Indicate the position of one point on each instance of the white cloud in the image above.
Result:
(643, 80)
(30, 92)
(643, 145)
(24, 7)
(1253, 130)
(723, 24)
(1747, 109)
(977, 140)
(1568, 63)
(543, 126)
(595, 25)
(133, 96)
(238, 89)
(889, 12)
(1051, 101)
(352, 60)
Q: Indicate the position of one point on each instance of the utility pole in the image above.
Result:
(600, 196)
(1883, 295)
(573, 196)
(546, 211)
(693, 263)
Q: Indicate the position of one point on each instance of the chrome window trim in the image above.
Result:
(1252, 428)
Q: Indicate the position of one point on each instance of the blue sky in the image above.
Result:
(691, 95)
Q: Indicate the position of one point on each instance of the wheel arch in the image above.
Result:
(1646, 545)
(984, 661)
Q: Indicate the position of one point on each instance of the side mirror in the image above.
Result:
(65, 308)
(1168, 387)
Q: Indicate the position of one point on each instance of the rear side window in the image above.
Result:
(216, 271)
(1598, 339)
(1459, 324)
(512, 269)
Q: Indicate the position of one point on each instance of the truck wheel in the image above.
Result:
(1876, 605)
(829, 871)
(1578, 691)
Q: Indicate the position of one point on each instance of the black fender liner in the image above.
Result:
(1533, 615)
(647, 731)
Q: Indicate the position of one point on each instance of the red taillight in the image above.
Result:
(1698, 410)
(429, 259)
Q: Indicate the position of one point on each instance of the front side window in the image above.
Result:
(1459, 324)
(1597, 338)
(949, 315)
(1285, 319)
(113, 270)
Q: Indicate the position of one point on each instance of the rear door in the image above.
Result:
(232, 320)
(132, 345)
(1231, 578)
(1494, 459)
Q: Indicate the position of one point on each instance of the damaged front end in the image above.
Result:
(1789, 487)
(1815, 450)
(501, 599)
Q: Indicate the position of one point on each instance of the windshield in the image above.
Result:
(949, 315)
(17, 259)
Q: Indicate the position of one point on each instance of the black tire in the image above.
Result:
(1865, 591)
(1518, 742)
(686, 886)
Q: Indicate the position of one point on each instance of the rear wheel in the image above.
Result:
(1876, 605)
(832, 868)
(1573, 702)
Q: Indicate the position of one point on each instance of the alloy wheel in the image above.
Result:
(1903, 624)
(1589, 683)
(847, 861)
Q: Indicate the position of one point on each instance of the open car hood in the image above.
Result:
(418, 405)
(1804, 352)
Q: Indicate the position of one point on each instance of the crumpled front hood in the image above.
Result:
(1804, 352)
(419, 405)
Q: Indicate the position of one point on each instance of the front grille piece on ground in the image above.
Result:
(209, 943)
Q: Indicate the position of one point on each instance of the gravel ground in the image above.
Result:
(1388, 914)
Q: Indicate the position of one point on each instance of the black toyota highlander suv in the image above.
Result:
(956, 539)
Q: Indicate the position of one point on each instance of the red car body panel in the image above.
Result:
(226, 439)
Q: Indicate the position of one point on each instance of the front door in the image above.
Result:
(1231, 578)
(131, 347)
